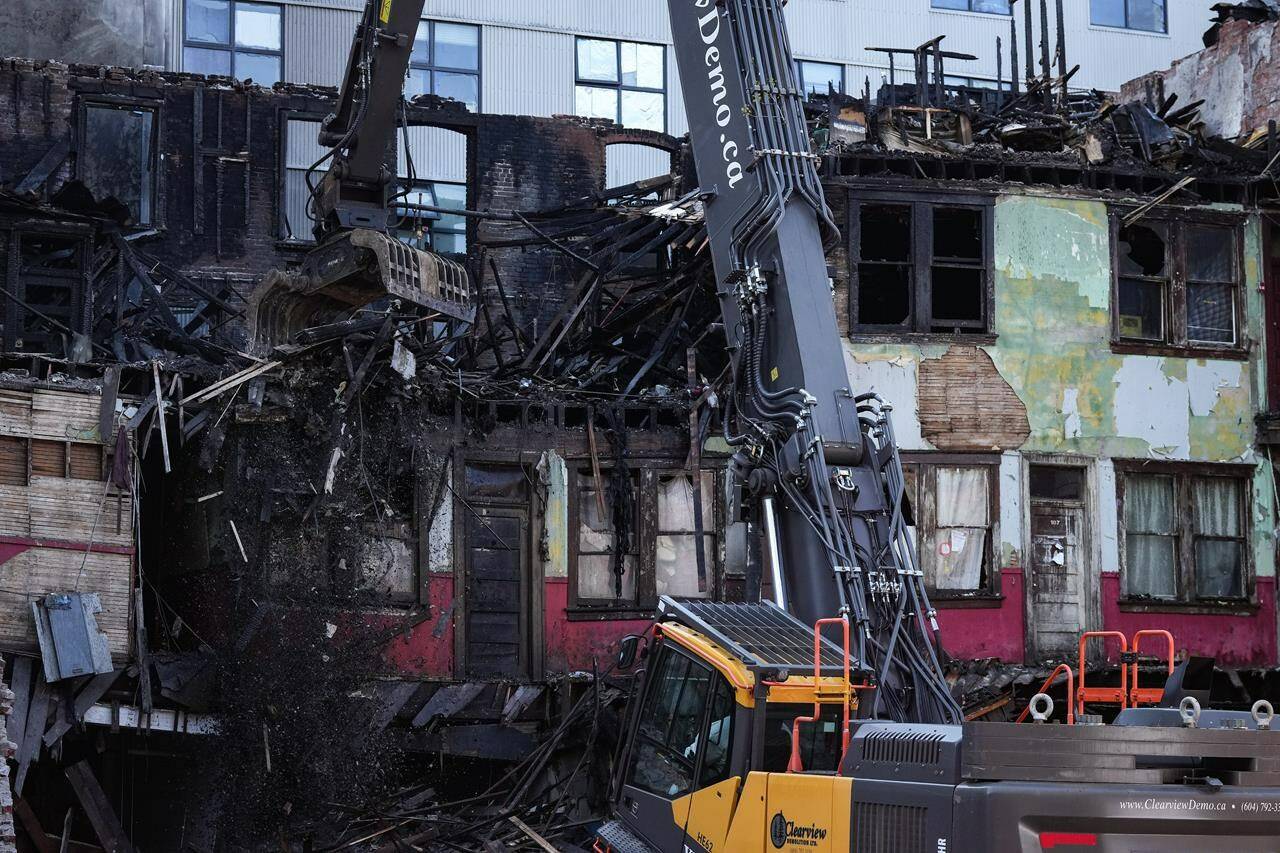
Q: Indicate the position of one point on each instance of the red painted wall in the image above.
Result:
(1236, 641)
(971, 633)
(571, 646)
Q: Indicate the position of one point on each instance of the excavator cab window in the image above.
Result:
(820, 742)
(689, 710)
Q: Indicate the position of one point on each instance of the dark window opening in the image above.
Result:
(116, 157)
(820, 741)
(666, 745)
(923, 267)
(50, 282)
(1056, 483)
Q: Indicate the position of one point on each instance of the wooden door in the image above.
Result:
(496, 633)
(1057, 581)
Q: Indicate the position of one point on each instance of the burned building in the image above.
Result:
(395, 539)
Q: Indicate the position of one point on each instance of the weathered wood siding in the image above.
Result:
(56, 509)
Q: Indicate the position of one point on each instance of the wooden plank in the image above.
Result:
(23, 811)
(96, 805)
(533, 836)
(85, 699)
(37, 571)
(16, 722)
(29, 749)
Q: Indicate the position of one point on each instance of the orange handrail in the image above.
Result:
(1115, 695)
(1147, 695)
(794, 765)
(1071, 690)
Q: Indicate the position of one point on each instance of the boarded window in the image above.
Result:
(48, 458)
(678, 572)
(116, 159)
(13, 461)
(1186, 535)
(86, 461)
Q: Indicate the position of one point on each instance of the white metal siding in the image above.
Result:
(439, 154)
(526, 72)
(316, 44)
(626, 163)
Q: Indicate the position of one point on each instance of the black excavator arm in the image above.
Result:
(356, 261)
(815, 458)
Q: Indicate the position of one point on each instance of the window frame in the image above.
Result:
(1127, 27)
(1184, 475)
(648, 472)
(801, 63)
(85, 103)
(306, 239)
(933, 7)
(919, 325)
(1175, 341)
(230, 45)
(477, 72)
(619, 87)
(925, 516)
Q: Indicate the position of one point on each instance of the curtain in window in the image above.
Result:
(676, 560)
(960, 541)
(1219, 572)
(1150, 543)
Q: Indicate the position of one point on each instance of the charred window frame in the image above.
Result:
(921, 265)
(299, 149)
(1178, 285)
(1185, 535)
(446, 62)
(660, 540)
(944, 534)
(124, 167)
(624, 81)
(46, 271)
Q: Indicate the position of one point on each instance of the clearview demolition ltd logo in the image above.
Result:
(783, 833)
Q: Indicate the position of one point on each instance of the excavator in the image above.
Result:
(821, 719)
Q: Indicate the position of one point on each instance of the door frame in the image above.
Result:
(1090, 543)
(532, 593)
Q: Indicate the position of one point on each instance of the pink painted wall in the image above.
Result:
(976, 633)
(569, 646)
(1248, 640)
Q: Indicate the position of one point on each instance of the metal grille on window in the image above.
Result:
(1211, 277)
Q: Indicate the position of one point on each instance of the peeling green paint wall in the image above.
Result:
(1052, 319)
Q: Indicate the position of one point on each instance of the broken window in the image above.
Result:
(681, 532)
(1177, 284)
(446, 62)
(952, 504)
(1184, 533)
(116, 156)
(623, 81)
(994, 7)
(659, 550)
(50, 285)
(921, 267)
(233, 39)
(433, 174)
(819, 78)
(1147, 15)
(605, 551)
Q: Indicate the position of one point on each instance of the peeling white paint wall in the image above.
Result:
(1107, 524)
(1071, 413)
(1010, 492)
(1207, 379)
(897, 381)
(1153, 407)
(440, 542)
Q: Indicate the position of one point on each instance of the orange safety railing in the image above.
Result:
(1112, 695)
(1147, 695)
(795, 765)
(1071, 691)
